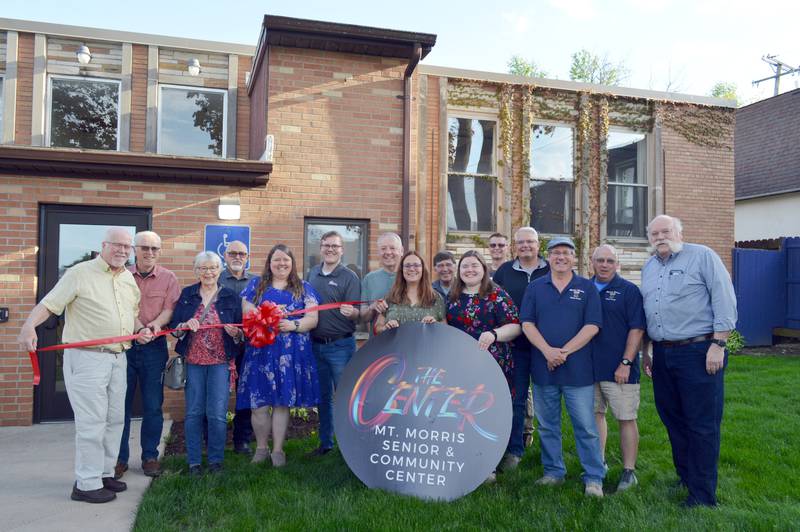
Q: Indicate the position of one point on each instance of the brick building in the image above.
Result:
(319, 125)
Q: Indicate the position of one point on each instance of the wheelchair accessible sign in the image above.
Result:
(219, 236)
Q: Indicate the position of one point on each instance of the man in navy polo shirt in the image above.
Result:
(561, 313)
(615, 352)
(514, 277)
(332, 340)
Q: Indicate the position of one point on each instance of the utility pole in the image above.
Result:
(780, 68)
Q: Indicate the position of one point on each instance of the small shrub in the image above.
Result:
(735, 343)
(299, 413)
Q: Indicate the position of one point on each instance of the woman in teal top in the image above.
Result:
(411, 298)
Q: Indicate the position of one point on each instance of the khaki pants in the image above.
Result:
(96, 383)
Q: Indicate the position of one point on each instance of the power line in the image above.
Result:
(780, 68)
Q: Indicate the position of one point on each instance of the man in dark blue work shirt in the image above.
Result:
(615, 353)
(332, 339)
(691, 310)
(514, 277)
(561, 313)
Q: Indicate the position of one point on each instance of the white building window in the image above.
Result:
(191, 121)
(472, 174)
(552, 176)
(627, 184)
(83, 113)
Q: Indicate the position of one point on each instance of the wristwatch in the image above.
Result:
(721, 343)
(297, 325)
(626, 362)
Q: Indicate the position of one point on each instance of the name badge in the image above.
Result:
(611, 295)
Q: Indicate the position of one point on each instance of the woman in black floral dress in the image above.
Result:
(484, 310)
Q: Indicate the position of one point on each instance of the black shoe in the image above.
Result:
(114, 485)
(690, 503)
(242, 448)
(215, 468)
(319, 451)
(195, 470)
(97, 496)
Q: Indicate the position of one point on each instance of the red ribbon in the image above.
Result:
(261, 322)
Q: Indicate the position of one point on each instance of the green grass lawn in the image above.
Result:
(759, 481)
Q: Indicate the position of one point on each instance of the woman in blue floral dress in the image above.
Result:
(484, 311)
(283, 374)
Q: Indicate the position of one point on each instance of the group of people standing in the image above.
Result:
(575, 338)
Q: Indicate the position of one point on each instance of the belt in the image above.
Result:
(101, 349)
(330, 339)
(696, 339)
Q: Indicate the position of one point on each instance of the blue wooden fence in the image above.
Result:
(767, 284)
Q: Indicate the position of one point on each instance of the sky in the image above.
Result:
(688, 45)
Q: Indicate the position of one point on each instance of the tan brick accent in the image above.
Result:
(138, 97)
(22, 121)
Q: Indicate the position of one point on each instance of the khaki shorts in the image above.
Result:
(622, 398)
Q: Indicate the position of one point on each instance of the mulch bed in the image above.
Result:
(786, 348)
(298, 428)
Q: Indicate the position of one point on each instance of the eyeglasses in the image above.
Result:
(207, 269)
(561, 253)
(412, 266)
(605, 261)
(151, 249)
(330, 246)
(528, 242)
(497, 245)
(119, 245)
(241, 254)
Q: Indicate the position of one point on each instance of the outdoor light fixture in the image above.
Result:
(193, 66)
(229, 208)
(84, 55)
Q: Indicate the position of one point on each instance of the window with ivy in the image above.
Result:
(552, 177)
(471, 174)
(627, 184)
(83, 113)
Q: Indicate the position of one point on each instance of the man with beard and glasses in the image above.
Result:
(100, 299)
(690, 307)
(235, 277)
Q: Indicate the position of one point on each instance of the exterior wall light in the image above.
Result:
(229, 208)
(84, 55)
(193, 66)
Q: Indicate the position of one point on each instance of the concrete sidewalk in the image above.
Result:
(37, 476)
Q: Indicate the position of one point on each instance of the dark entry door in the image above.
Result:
(69, 234)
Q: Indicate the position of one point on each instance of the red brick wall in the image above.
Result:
(338, 142)
(22, 120)
(699, 189)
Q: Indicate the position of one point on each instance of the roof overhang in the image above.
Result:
(95, 164)
(335, 37)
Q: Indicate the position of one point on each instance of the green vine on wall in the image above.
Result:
(700, 125)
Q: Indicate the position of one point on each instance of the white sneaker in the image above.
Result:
(627, 480)
(593, 489)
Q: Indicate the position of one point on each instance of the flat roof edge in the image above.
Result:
(84, 33)
(574, 86)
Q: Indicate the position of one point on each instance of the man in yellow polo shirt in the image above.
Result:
(100, 299)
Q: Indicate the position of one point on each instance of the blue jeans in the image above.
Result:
(145, 365)
(522, 380)
(207, 391)
(331, 360)
(580, 406)
(242, 429)
(690, 402)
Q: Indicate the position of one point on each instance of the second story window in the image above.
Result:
(552, 175)
(83, 113)
(471, 176)
(627, 184)
(191, 121)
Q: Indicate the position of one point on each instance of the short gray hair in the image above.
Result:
(207, 256)
(527, 228)
(142, 234)
(676, 223)
(609, 246)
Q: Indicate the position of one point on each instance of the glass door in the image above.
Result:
(68, 235)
